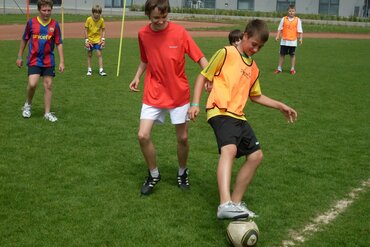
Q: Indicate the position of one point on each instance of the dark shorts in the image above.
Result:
(230, 130)
(95, 47)
(287, 50)
(42, 71)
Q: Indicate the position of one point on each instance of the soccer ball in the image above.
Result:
(242, 233)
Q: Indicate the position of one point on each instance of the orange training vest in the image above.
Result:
(231, 86)
(290, 28)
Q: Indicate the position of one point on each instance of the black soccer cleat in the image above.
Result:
(149, 184)
(183, 180)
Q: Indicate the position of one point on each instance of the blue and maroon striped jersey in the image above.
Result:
(42, 39)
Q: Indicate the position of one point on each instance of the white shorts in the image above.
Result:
(179, 115)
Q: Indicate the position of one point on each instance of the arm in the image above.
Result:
(300, 31)
(87, 42)
(102, 39)
(289, 113)
(135, 82)
(22, 46)
(61, 57)
(198, 88)
(203, 62)
(280, 27)
(278, 35)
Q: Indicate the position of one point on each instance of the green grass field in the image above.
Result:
(77, 182)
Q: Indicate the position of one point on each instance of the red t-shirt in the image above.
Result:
(165, 84)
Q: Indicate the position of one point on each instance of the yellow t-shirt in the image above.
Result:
(216, 68)
(94, 29)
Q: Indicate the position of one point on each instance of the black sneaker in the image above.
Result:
(149, 184)
(183, 180)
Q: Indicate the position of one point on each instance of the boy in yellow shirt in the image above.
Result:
(234, 75)
(95, 38)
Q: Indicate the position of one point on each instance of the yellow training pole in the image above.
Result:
(62, 19)
(120, 42)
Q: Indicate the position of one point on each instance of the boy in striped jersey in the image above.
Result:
(42, 33)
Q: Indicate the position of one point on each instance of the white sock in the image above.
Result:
(155, 172)
(89, 69)
(181, 171)
(280, 69)
(225, 203)
(101, 69)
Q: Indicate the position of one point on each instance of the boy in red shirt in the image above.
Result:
(163, 45)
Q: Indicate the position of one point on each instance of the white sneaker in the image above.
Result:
(102, 73)
(26, 113)
(230, 210)
(89, 72)
(243, 206)
(50, 117)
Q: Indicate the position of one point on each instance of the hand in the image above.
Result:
(102, 43)
(87, 44)
(289, 113)
(19, 62)
(61, 67)
(134, 84)
(208, 86)
(193, 112)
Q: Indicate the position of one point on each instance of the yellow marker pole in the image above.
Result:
(62, 19)
(121, 38)
(28, 9)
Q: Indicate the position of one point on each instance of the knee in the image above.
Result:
(182, 140)
(143, 138)
(256, 157)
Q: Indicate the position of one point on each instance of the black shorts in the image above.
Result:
(287, 50)
(230, 130)
(42, 71)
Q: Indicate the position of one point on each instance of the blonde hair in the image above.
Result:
(97, 9)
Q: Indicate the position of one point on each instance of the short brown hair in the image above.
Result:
(162, 5)
(235, 35)
(41, 3)
(258, 28)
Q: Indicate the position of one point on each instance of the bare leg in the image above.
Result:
(281, 61)
(100, 58)
(146, 145)
(89, 59)
(48, 80)
(32, 85)
(246, 174)
(225, 164)
(292, 61)
(182, 144)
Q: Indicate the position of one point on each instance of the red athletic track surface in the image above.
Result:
(113, 30)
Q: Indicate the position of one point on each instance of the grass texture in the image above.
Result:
(77, 182)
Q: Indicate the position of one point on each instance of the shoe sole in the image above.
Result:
(238, 217)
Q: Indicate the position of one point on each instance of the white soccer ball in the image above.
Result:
(242, 233)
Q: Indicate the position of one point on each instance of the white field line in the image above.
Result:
(296, 237)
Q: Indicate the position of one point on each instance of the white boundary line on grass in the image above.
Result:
(296, 237)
